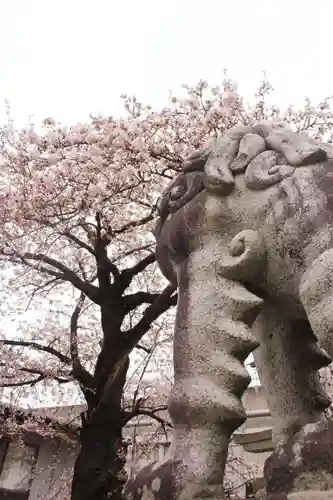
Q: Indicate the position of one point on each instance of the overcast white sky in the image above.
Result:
(69, 58)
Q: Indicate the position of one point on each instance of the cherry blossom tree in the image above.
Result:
(76, 248)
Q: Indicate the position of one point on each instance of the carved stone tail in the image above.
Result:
(212, 340)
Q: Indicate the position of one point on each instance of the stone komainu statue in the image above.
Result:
(246, 233)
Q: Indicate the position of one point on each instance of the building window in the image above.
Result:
(253, 486)
(166, 447)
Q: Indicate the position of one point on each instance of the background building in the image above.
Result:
(40, 468)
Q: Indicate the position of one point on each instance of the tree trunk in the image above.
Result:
(99, 469)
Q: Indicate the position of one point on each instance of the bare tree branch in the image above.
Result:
(104, 264)
(39, 288)
(41, 269)
(132, 301)
(127, 275)
(138, 410)
(73, 339)
(111, 267)
(80, 373)
(65, 274)
(127, 253)
(38, 347)
(165, 300)
(36, 371)
(90, 230)
(32, 371)
(136, 402)
(132, 224)
(152, 414)
(143, 348)
(78, 242)
(141, 266)
(30, 382)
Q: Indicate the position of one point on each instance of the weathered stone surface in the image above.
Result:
(303, 466)
(250, 146)
(246, 234)
(266, 169)
(167, 481)
(316, 291)
(156, 481)
(218, 176)
(311, 495)
(298, 149)
(287, 361)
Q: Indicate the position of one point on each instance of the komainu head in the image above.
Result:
(263, 154)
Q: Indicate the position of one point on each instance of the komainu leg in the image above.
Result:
(287, 361)
(212, 340)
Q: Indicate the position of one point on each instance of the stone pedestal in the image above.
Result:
(170, 480)
(301, 468)
(157, 481)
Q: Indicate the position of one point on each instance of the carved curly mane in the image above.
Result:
(264, 153)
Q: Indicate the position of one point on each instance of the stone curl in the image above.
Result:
(246, 256)
(265, 153)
